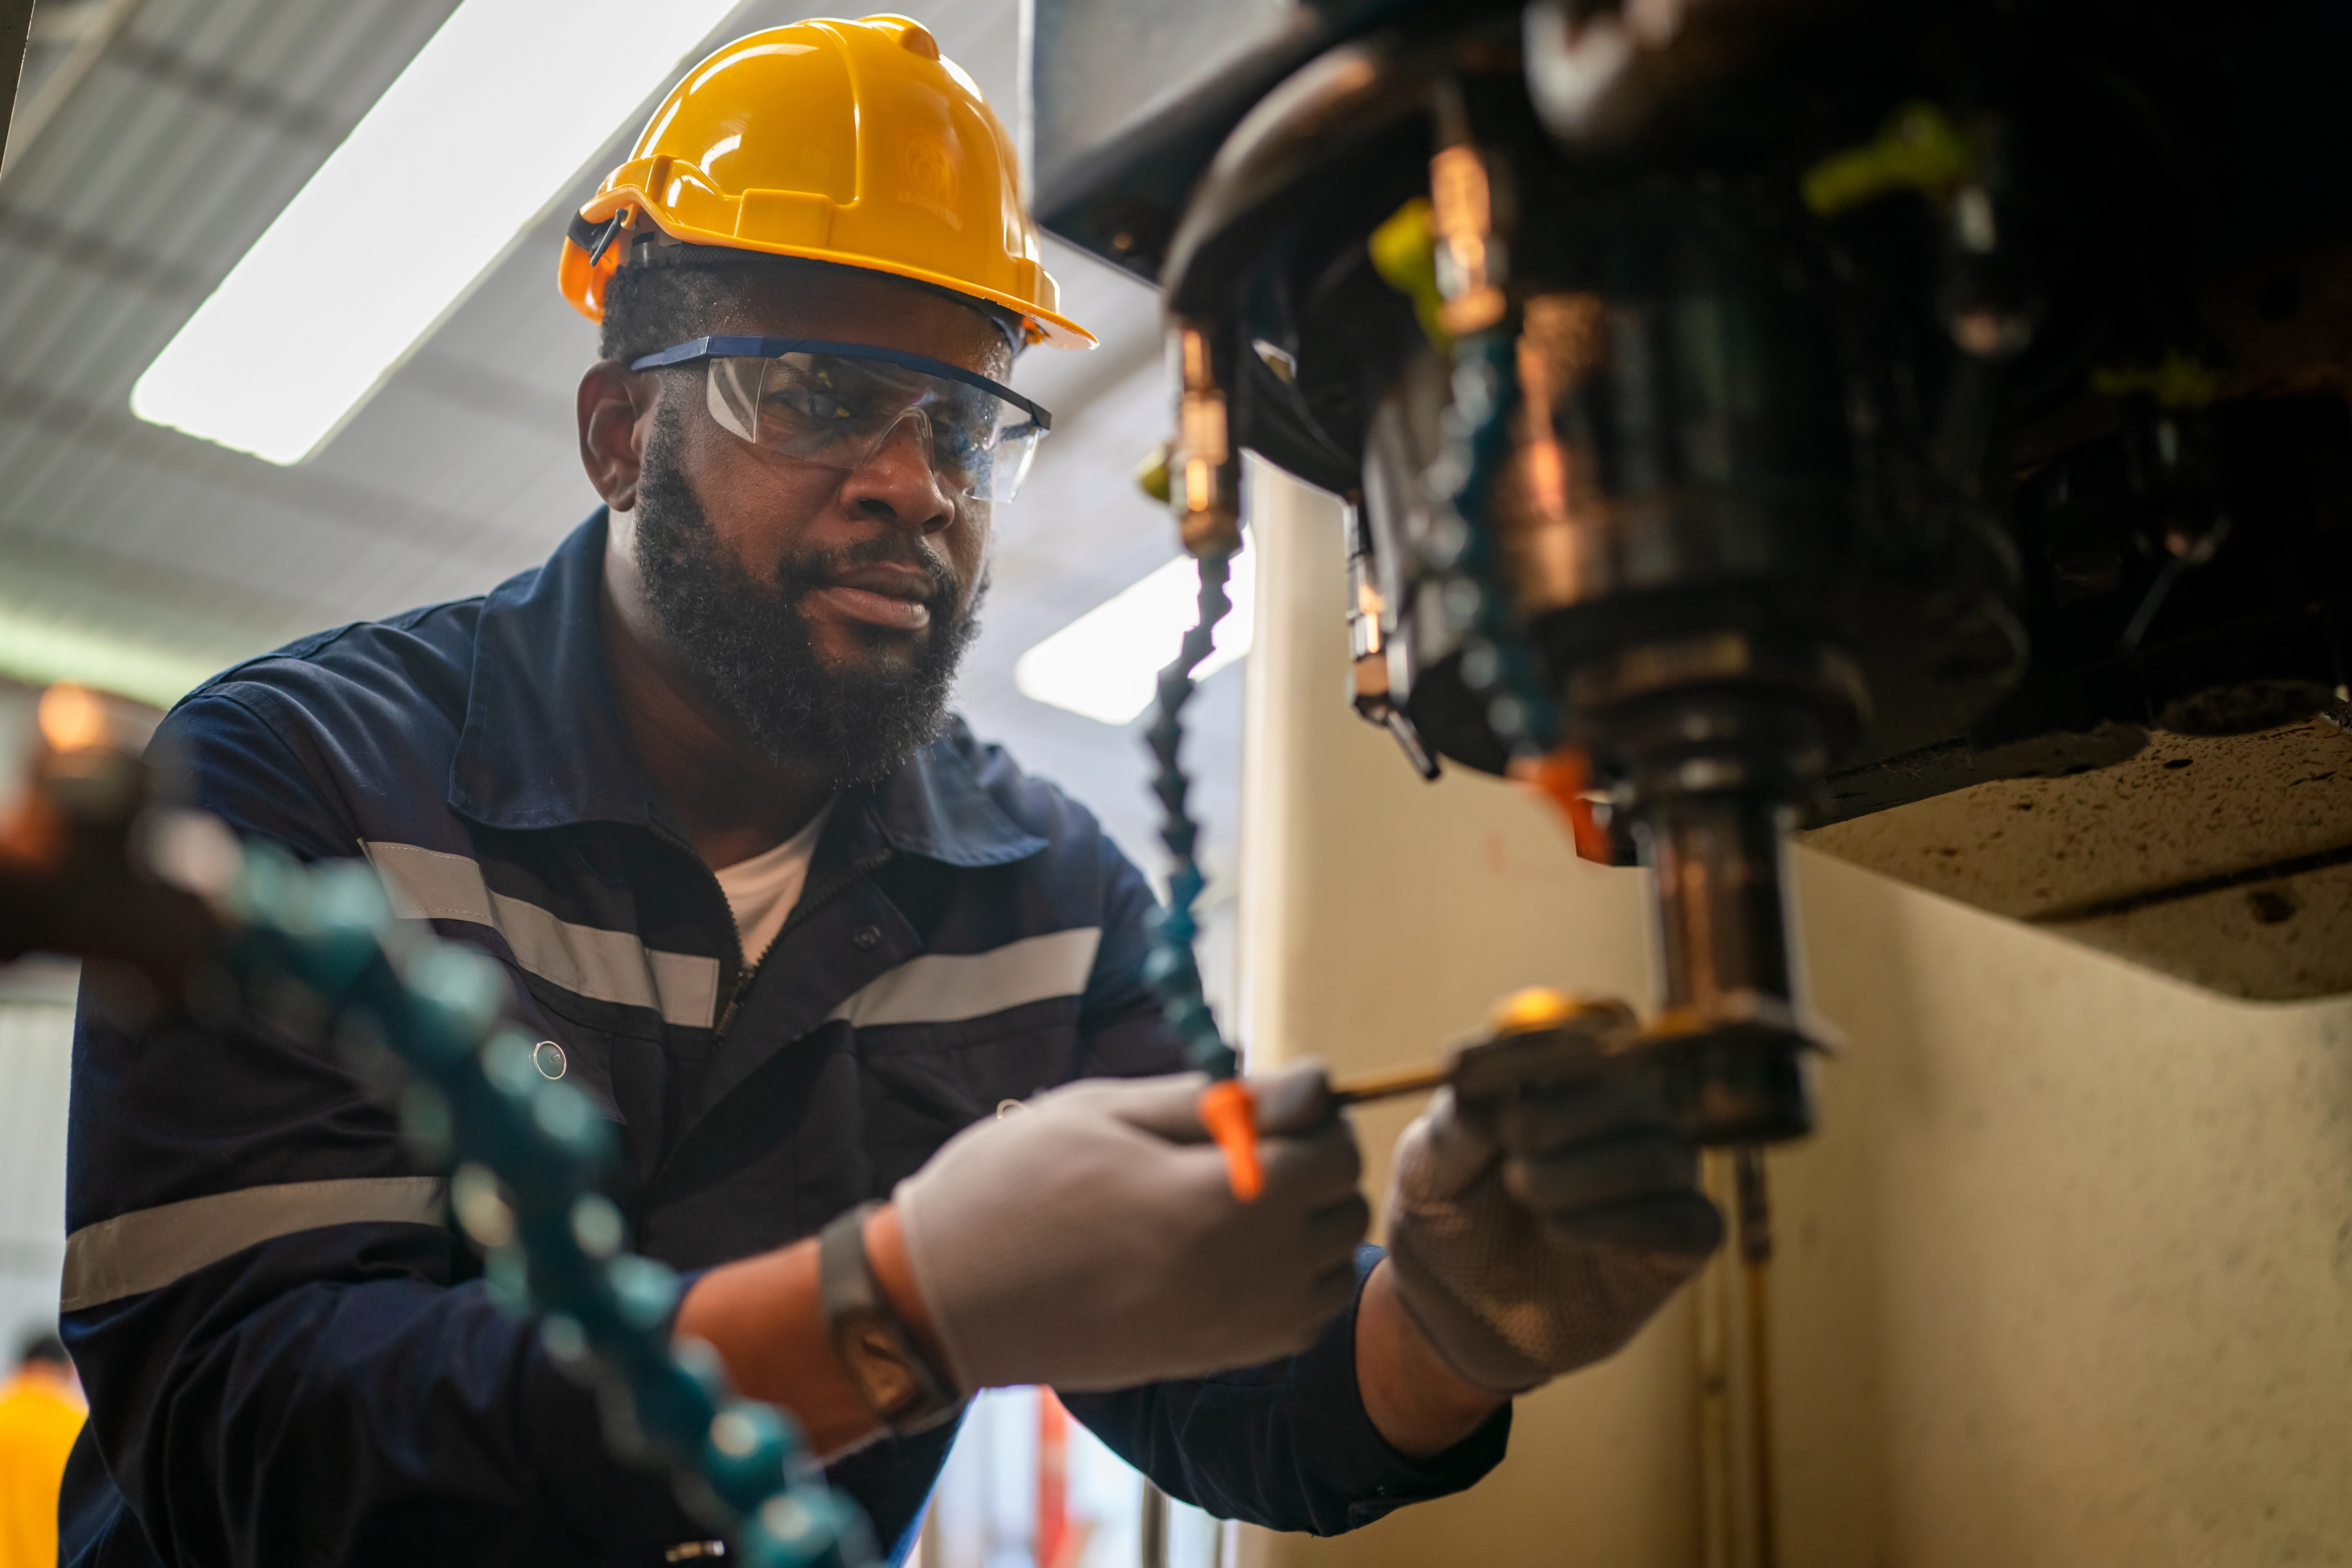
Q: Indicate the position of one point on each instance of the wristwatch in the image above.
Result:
(902, 1388)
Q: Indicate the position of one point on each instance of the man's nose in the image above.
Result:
(898, 484)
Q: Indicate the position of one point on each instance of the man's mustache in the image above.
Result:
(797, 576)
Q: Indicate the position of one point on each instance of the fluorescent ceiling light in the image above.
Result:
(492, 120)
(1105, 663)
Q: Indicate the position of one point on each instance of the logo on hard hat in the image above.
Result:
(934, 179)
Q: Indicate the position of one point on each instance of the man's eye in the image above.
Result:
(811, 403)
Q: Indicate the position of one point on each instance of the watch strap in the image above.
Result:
(898, 1384)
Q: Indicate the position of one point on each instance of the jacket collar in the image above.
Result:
(938, 805)
(545, 743)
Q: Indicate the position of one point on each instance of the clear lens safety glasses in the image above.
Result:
(840, 404)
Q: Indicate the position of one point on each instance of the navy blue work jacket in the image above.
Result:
(290, 1354)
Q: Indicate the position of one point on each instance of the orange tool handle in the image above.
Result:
(1230, 1113)
(1560, 778)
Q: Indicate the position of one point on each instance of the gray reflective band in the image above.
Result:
(608, 965)
(149, 1249)
(941, 987)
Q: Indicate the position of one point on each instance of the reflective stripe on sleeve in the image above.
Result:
(149, 1249)
(941, 987)
(609, 965)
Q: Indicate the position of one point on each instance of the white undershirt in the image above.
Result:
(764, 889)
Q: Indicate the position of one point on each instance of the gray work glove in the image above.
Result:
(1533, 1236)
(1093, 1241)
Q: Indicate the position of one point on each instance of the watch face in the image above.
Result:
(872, 1354)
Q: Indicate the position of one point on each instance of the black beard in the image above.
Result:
(748, 643)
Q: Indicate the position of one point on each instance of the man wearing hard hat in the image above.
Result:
(804, 939)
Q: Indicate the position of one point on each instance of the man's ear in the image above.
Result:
(616, 411)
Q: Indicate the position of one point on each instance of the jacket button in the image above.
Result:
(866, 939)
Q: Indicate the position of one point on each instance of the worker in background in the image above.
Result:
(800, 936)
(40, 1412)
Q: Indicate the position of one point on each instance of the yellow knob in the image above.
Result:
(1151, 474)
(1537, 1007)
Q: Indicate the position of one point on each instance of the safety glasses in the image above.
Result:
(839, 403)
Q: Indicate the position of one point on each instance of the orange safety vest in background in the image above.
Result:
(39, 1418)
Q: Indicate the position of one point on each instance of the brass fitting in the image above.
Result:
(1203, 475)
(1469, 258)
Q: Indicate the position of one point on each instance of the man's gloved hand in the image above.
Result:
(1533, 1236)
(1093, 1241)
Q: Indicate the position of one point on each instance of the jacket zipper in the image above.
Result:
(733, 928)
(810, 902)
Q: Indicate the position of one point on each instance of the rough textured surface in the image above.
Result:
(2178, 836)
(2278, 940)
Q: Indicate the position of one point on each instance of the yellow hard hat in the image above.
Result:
(854, 143)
